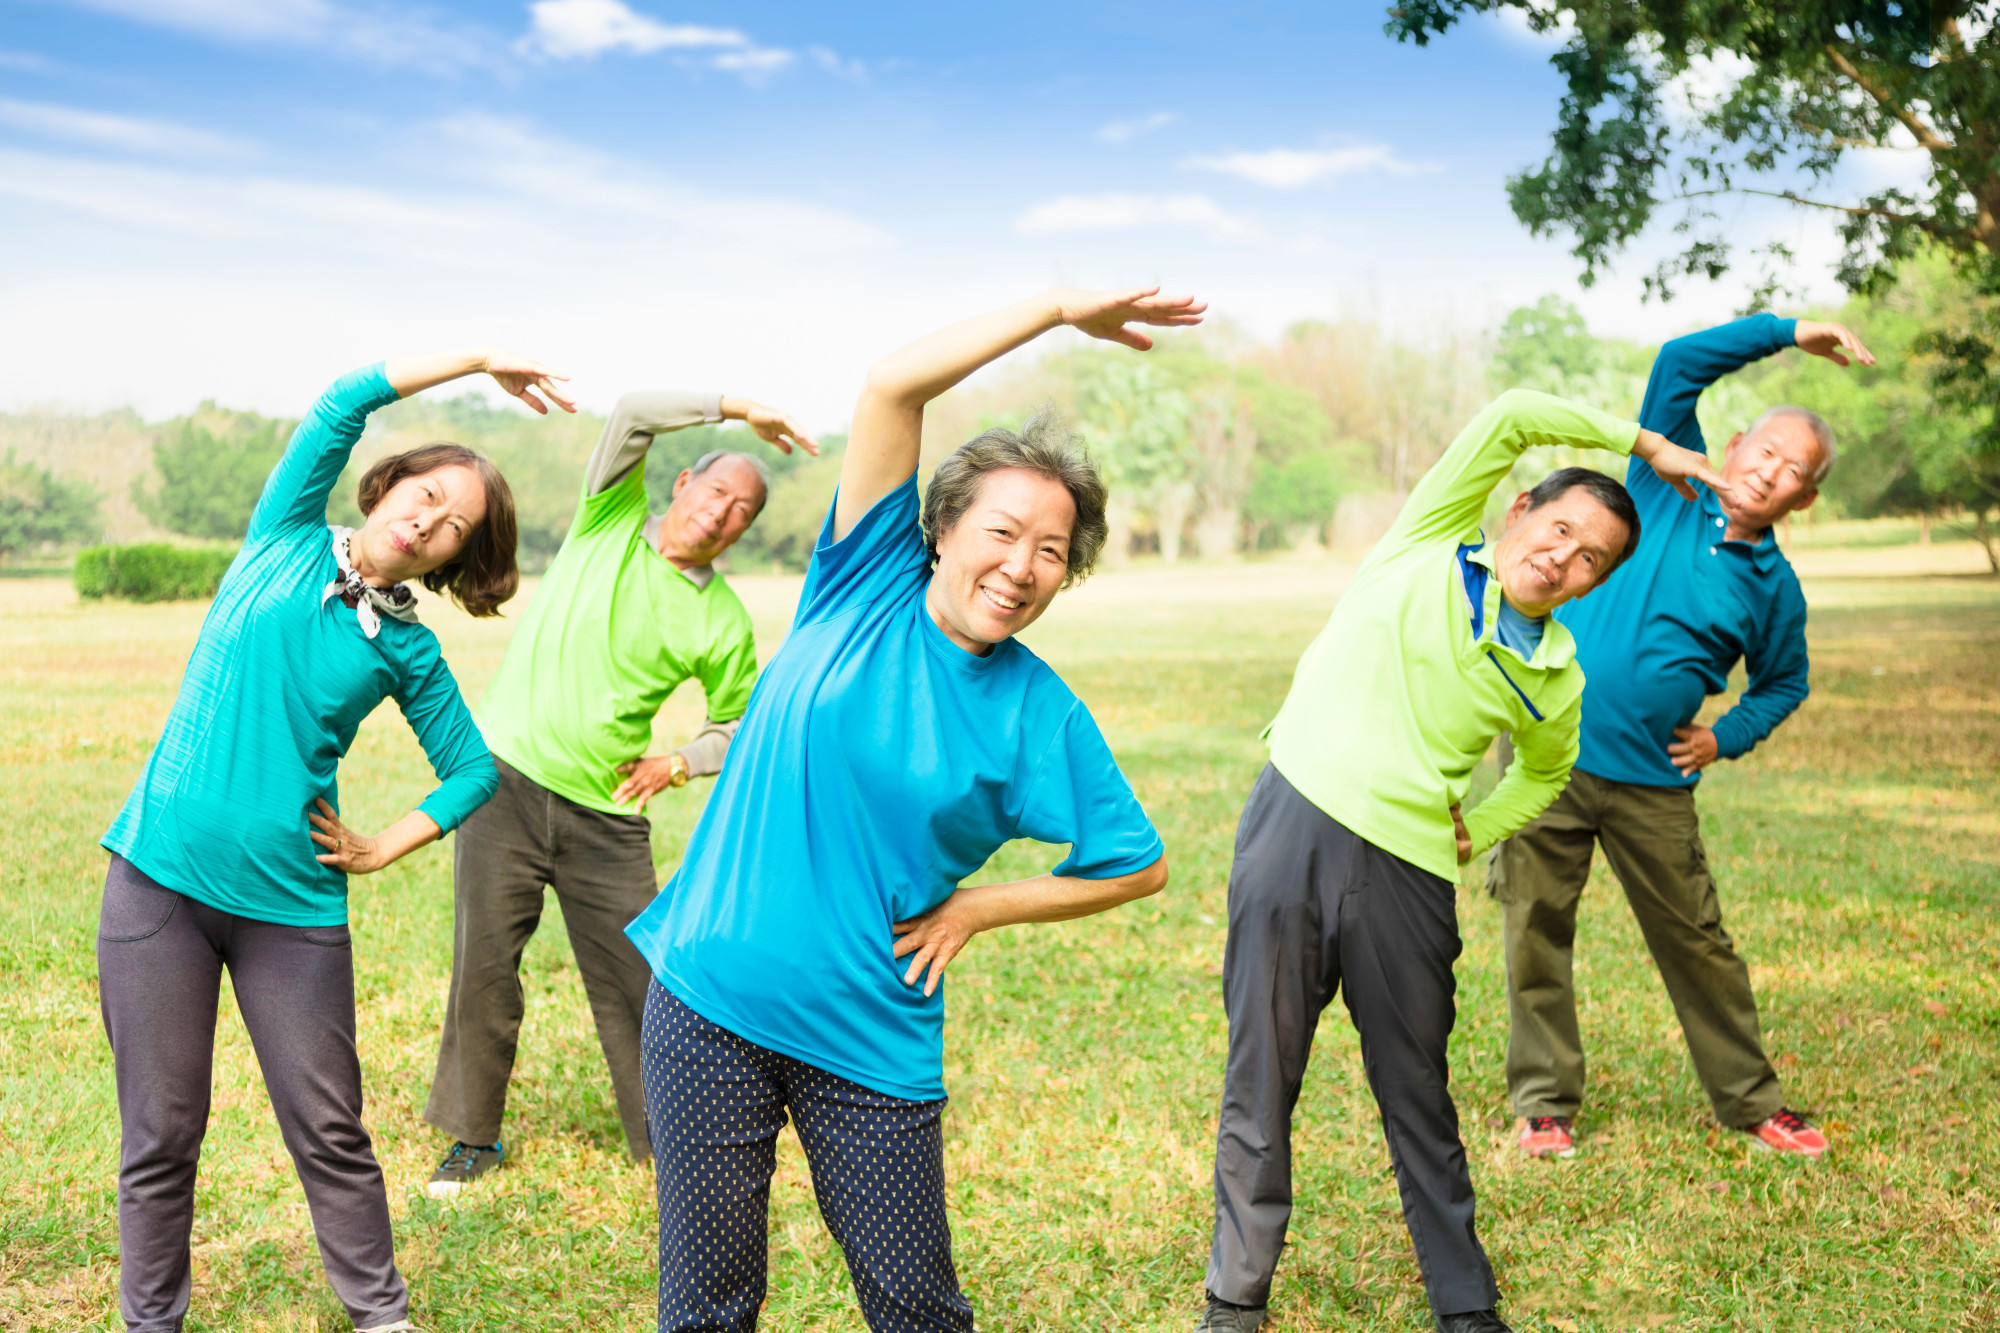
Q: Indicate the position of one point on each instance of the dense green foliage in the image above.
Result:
(151, 571)
(1804, 84)
(209, 468)
(39, 509)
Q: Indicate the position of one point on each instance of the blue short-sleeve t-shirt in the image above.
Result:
(878, 765)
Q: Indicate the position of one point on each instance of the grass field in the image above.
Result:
(1859, 854)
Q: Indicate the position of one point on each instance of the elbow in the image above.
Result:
(888, 386)
(1147, 882)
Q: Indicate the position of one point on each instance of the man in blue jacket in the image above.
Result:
(1707, 587)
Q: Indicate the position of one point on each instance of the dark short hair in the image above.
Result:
(484, 575)
(1607, 491)
(1044, 445)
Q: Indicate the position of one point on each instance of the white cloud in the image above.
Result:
(25, 60)
(1126, 212)
(830, 61)
(1514, 26)
(1124, 131)
(385, 35)
(586, 29)
(1289, 168)
(1707, 80)
(137, 136)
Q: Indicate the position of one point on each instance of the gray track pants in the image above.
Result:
(160, 957)
(507, 853)
(1314, 909)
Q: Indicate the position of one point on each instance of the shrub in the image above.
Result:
(152, 571)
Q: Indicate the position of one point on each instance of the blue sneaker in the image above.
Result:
(465, 1163)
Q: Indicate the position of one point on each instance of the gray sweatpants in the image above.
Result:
(1314, 909)
(160, 957)
(508, 851)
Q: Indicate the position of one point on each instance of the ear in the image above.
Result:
(1805, 500)
(1518, 508)
(1730, 448)
(680, 482)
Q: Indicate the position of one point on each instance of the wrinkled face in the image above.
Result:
(1557, 553)
(711, 511)
(423, 523)
(1001, 565)
(1770, 472)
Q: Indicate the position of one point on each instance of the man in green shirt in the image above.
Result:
(631, 607)
(1350, 842)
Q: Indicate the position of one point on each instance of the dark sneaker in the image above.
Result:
(465, 1163)
(1472, 1321)
(1546, 1136)
(1788, 1132)
(1222, 1317)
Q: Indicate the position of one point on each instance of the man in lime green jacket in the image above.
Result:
(1348, 848)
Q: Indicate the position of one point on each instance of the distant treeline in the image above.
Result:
(1212, 441)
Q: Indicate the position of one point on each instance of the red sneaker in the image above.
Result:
(1546, 1136)
(1787, 1131)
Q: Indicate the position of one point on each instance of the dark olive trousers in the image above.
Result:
(1315, 909)
(528, 838)
(1652, 839)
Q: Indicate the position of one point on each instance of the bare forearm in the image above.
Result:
(1057, 897)
(412, 831)
(413, 374)
(887, 429)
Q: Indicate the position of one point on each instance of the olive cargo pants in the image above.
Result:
(1652, 839)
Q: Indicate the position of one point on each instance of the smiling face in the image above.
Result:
(710, 511)
(1770, 472)
(420, 524)
(1005, 559)
(1557, 553)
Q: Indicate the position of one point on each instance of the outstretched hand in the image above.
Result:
(1105, 314)
(1677, 466)
(521, 377)
(772, 426)
(1835, 342)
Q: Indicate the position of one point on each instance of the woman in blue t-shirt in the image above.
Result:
(230, 851)
(900, 736)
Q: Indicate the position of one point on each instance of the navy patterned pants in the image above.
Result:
(714, 1106)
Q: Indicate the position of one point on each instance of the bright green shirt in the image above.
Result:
(1399, 697)
(613, 630)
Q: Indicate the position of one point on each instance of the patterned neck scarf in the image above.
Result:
(396, 600)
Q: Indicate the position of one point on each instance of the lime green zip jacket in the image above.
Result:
(1397, 700)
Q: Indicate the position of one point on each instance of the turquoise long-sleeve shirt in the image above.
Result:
(278, 683)
(1672, 621)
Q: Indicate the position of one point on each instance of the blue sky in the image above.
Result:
(238, 199)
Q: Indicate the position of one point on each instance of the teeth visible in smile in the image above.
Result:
(1004, 603)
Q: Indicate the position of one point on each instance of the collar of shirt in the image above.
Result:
(698, 575)
(1556, 650)
(1763, 553)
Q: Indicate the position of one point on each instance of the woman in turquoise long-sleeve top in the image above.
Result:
(230, 852)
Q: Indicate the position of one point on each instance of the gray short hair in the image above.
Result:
(714, 456)
(1822, 433)
(1045, 445)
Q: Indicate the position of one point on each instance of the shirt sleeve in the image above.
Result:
(1780, 675)
(879, 554)
(436, 712)
(1448, 502)
(1544, 754)
(1079, 796)
(1683, 369)
(728, 673)
(633, 424)
(296, 492)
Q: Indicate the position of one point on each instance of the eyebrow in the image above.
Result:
(997, 511)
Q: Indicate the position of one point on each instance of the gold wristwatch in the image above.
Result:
(680, 772)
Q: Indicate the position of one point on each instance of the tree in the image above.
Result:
(1135, 421)
(1903, 448)
(40, 509)
(211, 469)
(1806, 83)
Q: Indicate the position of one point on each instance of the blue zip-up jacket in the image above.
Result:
(1668, 626)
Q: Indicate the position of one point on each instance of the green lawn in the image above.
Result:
(1857, 854)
